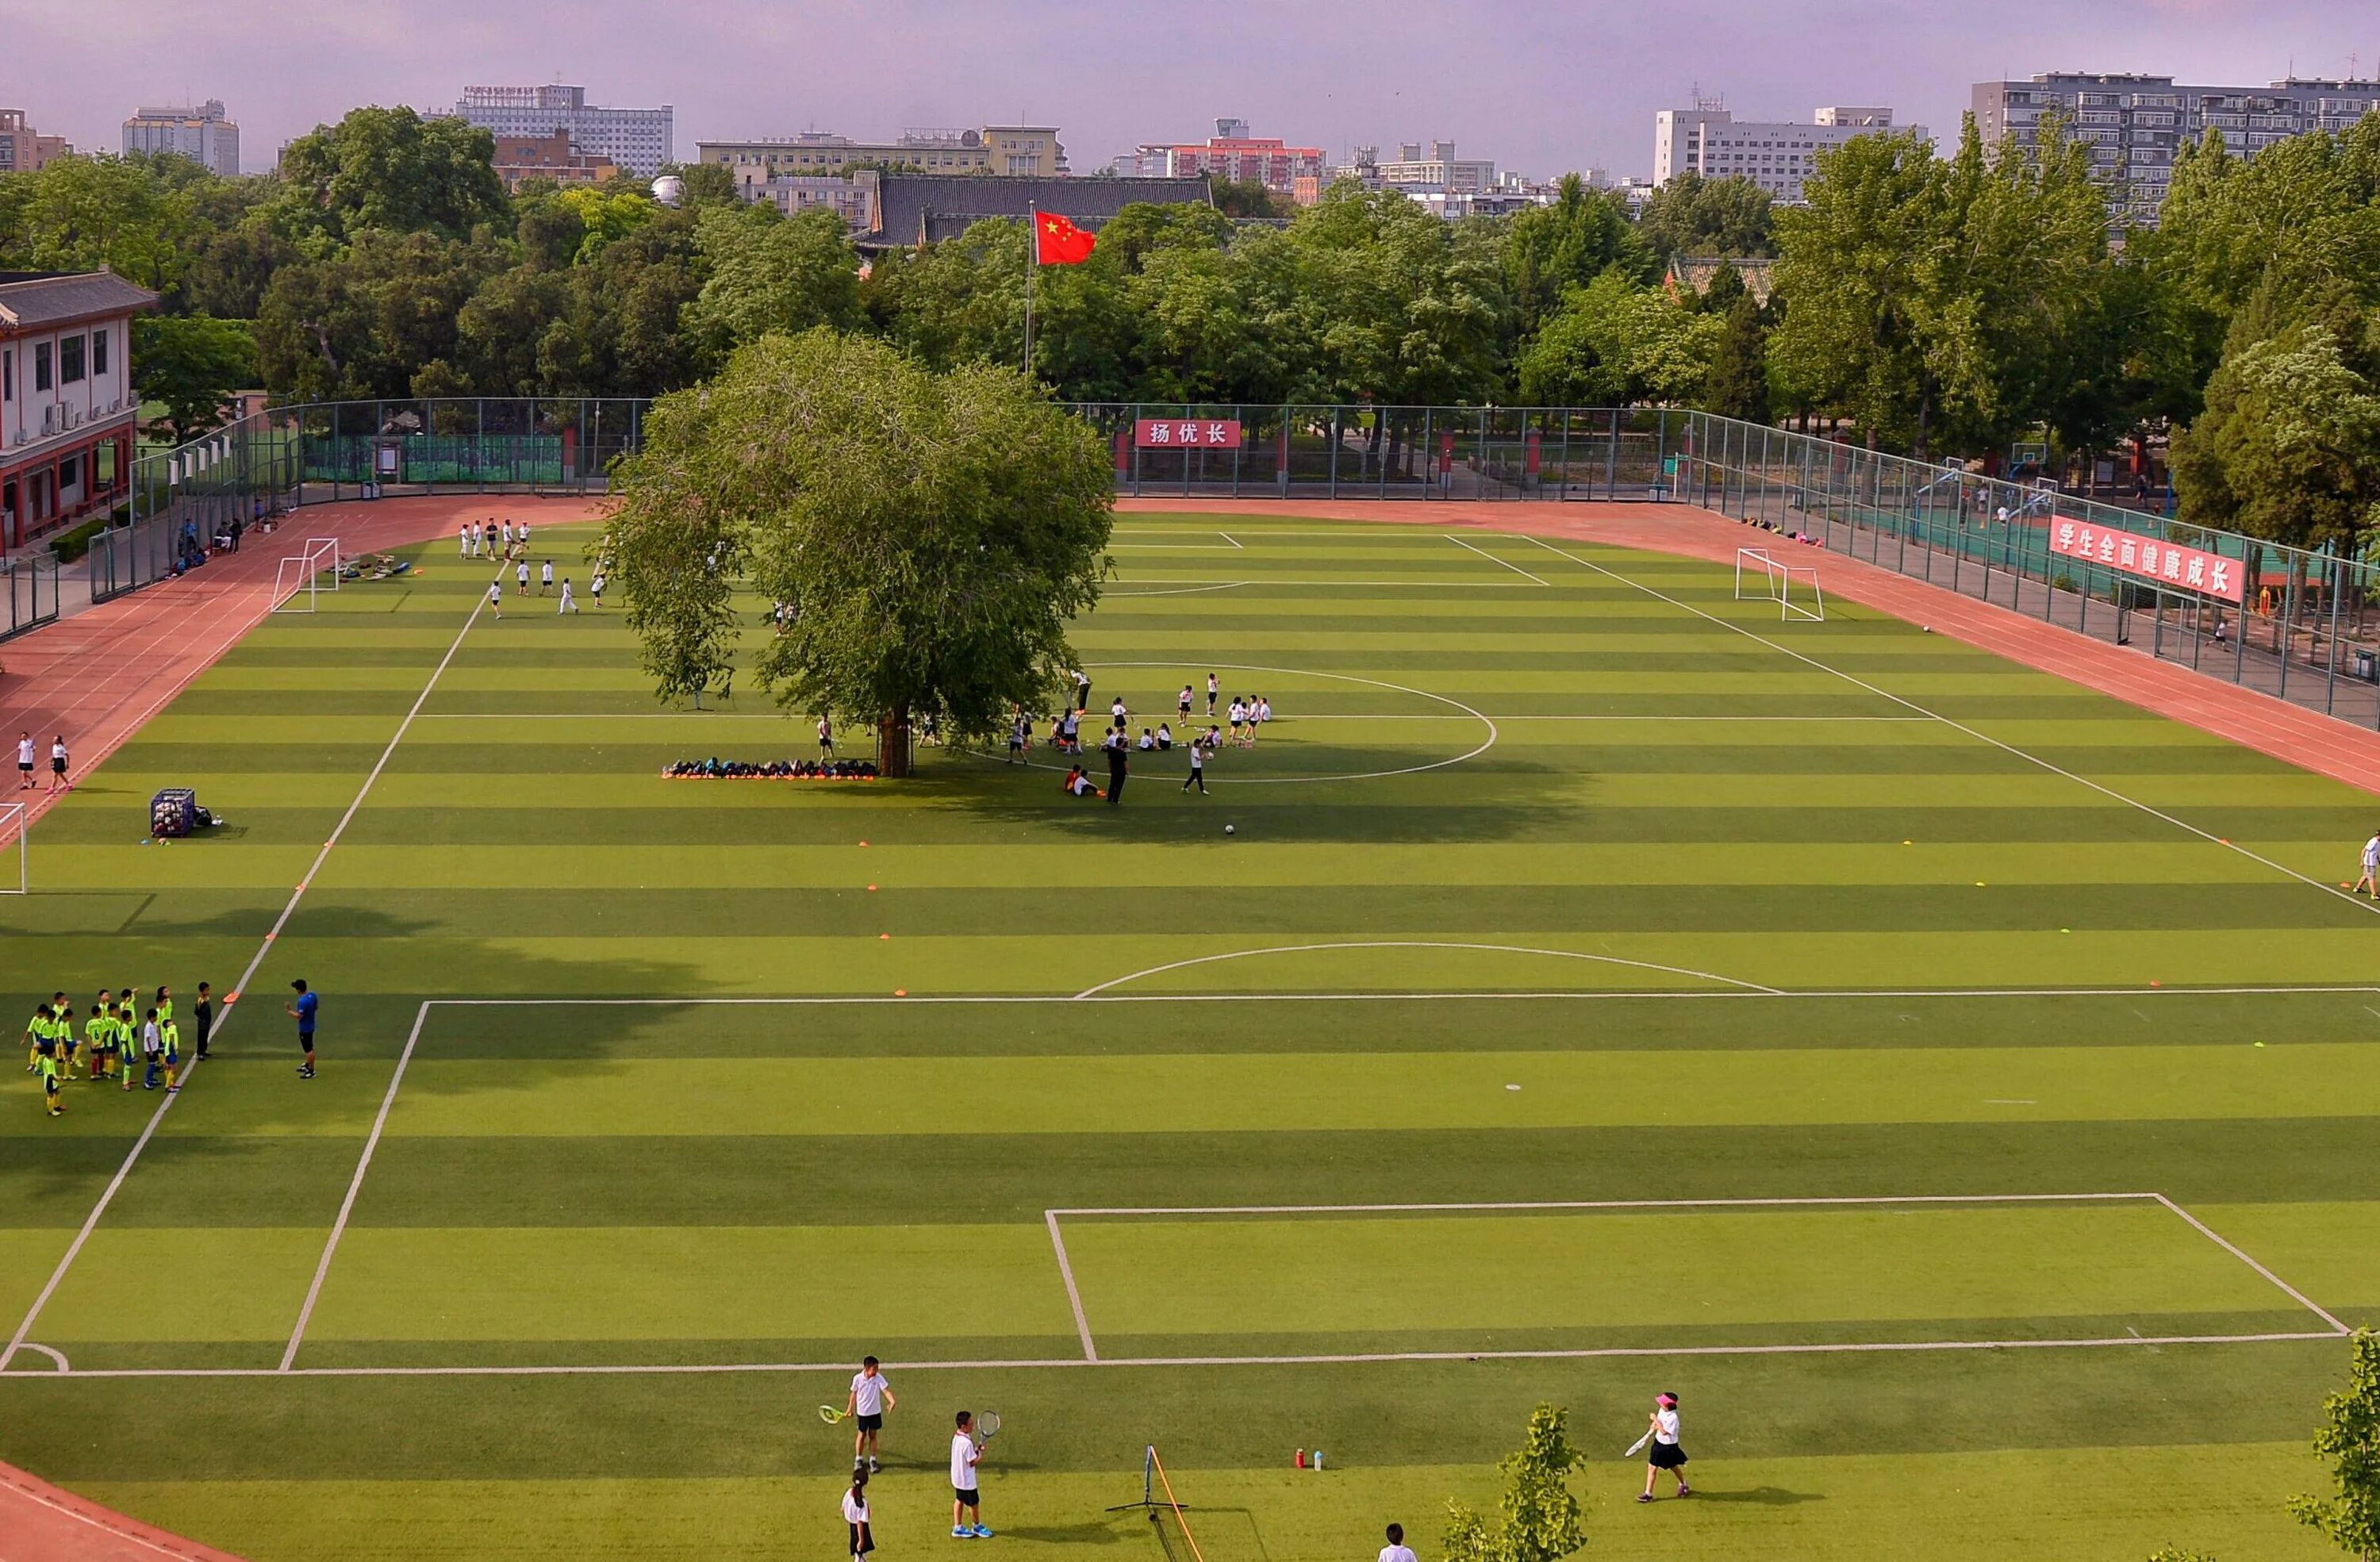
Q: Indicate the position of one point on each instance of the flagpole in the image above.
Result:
(1032, 264)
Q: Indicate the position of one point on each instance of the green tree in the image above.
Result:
(389, 169)
(1692, 215)
(1552, 249)
(771, 272)
(1540, 1519)
(961, 300)
(2288, 446)
(1246, 198)
(934, 532)
(359, 325)
(1614, 342)
(80, 214)
(2350, 1438)
(191, 365)
(1738, 386)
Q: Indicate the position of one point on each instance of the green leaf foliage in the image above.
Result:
(191, 364)
(1540, 1519)
(933, 531)
(2350, 1439)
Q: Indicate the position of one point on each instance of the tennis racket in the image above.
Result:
(1637, 1447)
(986, 1425)
(831, 1414)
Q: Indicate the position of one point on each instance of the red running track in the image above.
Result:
(2290, 732)
(40, 1523)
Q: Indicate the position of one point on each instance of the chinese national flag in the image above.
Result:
(1057, 242)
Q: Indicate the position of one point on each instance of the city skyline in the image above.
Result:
(1582, 93)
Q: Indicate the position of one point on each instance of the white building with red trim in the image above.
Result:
(68, 408)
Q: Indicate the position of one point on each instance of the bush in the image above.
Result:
(72, 544)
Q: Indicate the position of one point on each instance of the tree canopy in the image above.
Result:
(932, 531)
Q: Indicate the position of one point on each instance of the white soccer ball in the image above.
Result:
(1231, 830)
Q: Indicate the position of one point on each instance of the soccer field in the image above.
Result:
(1960, 1087)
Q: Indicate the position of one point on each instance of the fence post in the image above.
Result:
(2330, 651)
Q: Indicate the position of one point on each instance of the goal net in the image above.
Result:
(16, 823)
(1760, 577)
(299, 578)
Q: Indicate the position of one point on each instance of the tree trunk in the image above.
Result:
(893, 751)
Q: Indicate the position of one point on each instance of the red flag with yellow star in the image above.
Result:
(1058, 242)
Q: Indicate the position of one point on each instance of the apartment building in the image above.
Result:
(1780, 155)
(1023, 150)
(549, 156)
(68, 408)
(201, 132)
(1231, 152)
(639, 139)
(23, 149)
(2136, 125)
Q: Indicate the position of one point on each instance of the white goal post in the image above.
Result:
(1761, 577)
(16, 824)
(299, 574)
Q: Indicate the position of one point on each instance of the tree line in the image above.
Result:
(1944, 306)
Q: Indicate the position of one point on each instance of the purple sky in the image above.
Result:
(1538, 85)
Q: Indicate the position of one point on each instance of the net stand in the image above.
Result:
(1147, 1503)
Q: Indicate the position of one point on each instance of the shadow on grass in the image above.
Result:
(1766, 1497)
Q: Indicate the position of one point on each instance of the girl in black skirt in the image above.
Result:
(854, 1516)
(1666, 1452)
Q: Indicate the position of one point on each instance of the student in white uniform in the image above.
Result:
(855, 1517)
(2371, 879)
(25, 759)
(966, 1512)
(1397, 1550)
(469, 538)
(545, 578)
(1666, 1452)
(508, 537)
(520, 574)
(568, 605)
(596, 587)
(870, 1398)
(496, 597)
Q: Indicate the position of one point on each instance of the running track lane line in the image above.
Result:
(90, 1223)
(1983, 737)
(355, 1186)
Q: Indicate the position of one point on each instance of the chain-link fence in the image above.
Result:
(1225, 450)
(32, 588)
(2294, 623)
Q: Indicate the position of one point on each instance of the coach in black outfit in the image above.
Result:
(1118, 751)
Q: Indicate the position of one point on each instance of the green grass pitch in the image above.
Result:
(1609, 988)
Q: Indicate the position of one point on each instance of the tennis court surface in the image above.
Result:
(1956, 1085)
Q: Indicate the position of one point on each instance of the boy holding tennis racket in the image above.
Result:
(870, 1398)
(966, 1512)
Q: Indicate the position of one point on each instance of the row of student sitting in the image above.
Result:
(772, 769)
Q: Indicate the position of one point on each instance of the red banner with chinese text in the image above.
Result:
(2167, 564)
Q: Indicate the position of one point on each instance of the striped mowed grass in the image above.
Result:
(1725, 992)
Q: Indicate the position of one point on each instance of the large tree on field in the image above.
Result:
(933, 532)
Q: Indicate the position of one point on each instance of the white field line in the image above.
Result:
(355, 1186)
(1292, 719)
(1983, 737)
(1179, 590)
(1463, 582)
(1074, 1295)
(107, 1196)
(1422, 944)
(1459, 997)
(1509, 1205)
(1232, 541)
(57, 1358)
(2300, 1298)
(1494, 560)
(1338, 1359)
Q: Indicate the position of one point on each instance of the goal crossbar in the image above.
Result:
(1760, 577)
(300, 575)
(16, 824)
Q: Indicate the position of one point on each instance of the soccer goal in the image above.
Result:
(1762, 577)
(16, 823)
(297, 579)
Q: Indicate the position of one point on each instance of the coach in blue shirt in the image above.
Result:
(303, 1012)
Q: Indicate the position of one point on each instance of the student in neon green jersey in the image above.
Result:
(37, 1030)
(164, 1005)
(48, 1071)
(99, 1040)
(127, 1035)
(169, 1035)
(62, 1029)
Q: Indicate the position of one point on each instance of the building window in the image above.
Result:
(69, 359)
(68, 472)
(8, 375)
(40, 366)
